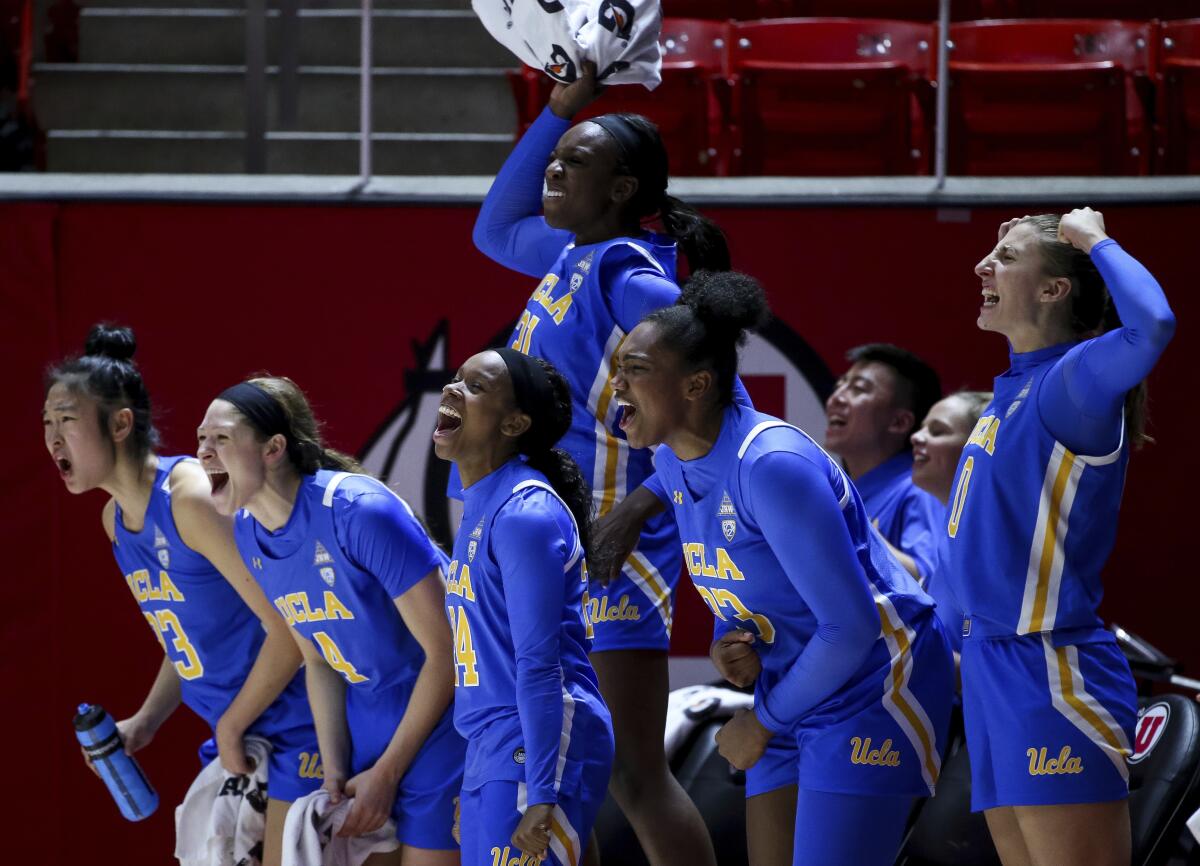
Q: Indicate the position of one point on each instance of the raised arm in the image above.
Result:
(1085, 392)
(510, 229)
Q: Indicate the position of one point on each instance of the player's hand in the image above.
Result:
(743, 740)
(1082, 228)
(135, 734)
(567, 100)
(532, 835)
(374, 793)
(231, 750)
(616, 534)
(735, 658)
(1006, 227)
(335, 784)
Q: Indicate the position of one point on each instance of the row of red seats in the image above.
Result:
(843, 96)
(927, 10)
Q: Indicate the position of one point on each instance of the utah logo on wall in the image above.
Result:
(783, 374)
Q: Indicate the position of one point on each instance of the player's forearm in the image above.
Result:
(277, 662)
(327, 698)
(164, 696)
(431, 694)
(540, 706)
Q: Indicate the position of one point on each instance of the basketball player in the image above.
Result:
(527, 700)
(227, 654)
(854, 676)
(936, 448)
(361, 585)
(1048, 698)
(600, 273)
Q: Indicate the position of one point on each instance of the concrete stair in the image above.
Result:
(162, 88)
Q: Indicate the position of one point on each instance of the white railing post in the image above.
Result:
(364, 121)
(943, 93)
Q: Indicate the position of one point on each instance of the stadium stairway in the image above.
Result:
(162, 88)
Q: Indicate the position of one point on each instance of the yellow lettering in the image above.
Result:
(190, 667)
(285, 610)
(335, 659)
(310, 766)
(862, 753)
(726, 568)
(464, 648)
(985, 432)
(317, 615)
(1064, 764)
(960, 496)
(334, 609)
(169, 590)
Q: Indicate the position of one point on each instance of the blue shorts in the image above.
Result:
(294, 768)
(882, 736)
(425, 798)
(1048, 722)
(636, 610)
(491, 812)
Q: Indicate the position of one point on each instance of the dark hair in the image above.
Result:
(709, 322)
(306, 448)
(550, 421)
(1092, 311)
(106, 372)
(641, 155)
(920, 386)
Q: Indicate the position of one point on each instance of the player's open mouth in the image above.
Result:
(990, 298)
(64, 466)
(550, 193)
(628, 413)
(448, 421)
(218, 480)
(919, 458)
(835, 422)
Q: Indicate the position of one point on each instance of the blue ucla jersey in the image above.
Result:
(522, 638)
(745, 585)
(1030, 523)
(569, 320)
(208, 632)
(346, 611)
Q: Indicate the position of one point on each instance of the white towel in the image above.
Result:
(688, 707)
(309, 834)
(556, 36)
(222, 818)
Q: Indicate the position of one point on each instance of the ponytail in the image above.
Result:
(641, 154)
(541, 392)
(276, 405)
(701, 240)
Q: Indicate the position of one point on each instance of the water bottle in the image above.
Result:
(98, 735)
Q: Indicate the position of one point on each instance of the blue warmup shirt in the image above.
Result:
(777, 541)
(1033, 515)
(905, 515)
(527, 700)
(208, 632)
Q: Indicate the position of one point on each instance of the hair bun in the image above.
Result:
(726, 300)
(111, 341)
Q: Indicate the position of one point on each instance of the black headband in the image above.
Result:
(533, 392)
(261, 409)
(622, 132)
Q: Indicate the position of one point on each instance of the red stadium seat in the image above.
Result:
(832, 96)
(1180, 96)
(1050, 97)
(1142, 10)
(689, 105)
(899, 10)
